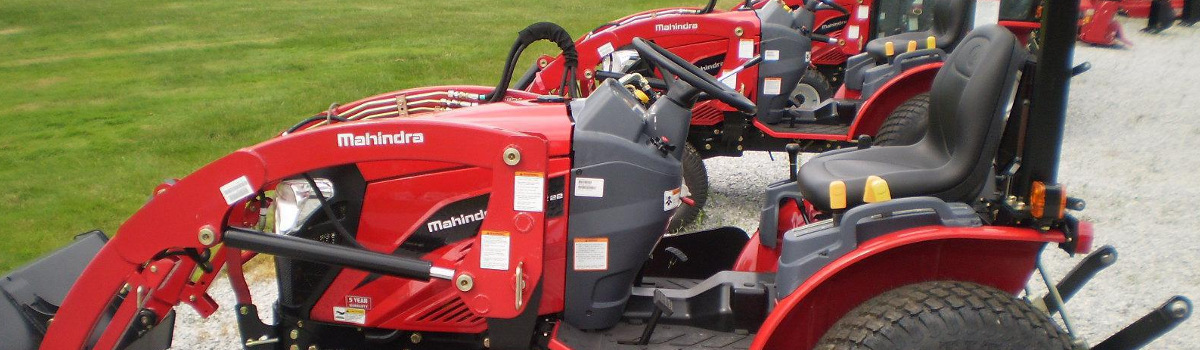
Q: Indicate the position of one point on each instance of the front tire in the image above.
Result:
(945, 315)
(695, 180)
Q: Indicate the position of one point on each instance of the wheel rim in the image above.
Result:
(805, 95)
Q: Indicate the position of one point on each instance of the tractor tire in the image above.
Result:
(695, 181)
(945, 315)
(906, 125)
(811, 90)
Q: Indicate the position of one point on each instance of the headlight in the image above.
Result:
(619, 61)
(295, 201)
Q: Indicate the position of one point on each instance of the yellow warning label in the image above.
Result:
(591, 254)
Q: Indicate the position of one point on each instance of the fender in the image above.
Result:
(876, 108)
(159, 225)
(1001, 257)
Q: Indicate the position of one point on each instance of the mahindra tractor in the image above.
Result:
(774, 53)
(472, 217)
(788, 57)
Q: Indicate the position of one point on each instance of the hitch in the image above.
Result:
(1082, 273)
(1149, 327)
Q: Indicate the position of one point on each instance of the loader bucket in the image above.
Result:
(33, 293)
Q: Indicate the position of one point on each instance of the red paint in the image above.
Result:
(1001, 257)
(875, 109)
(146, 233)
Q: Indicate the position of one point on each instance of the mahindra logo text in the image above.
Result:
(379, 139)
(438, 225)
(675, 26)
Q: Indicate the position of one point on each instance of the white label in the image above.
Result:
(591, 254)
(589, 187)
(771, 55)
(236, 190)
(671, 199)
(771, 86)
(529, 191)
(730, 81)
(864, 12)
(852, 32)
(349, 315)
(605, 49)
(358, 302)
(746, 48)
(987, 12)
(493, 251)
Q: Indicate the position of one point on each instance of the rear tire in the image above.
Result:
(906, 125)
(945, 315)
(695, 179)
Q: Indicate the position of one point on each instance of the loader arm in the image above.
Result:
(193, 214)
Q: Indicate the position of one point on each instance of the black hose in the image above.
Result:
(337, 224)
(539, 31)
(311, 119)
(708, 8)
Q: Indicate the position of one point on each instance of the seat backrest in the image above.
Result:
(968, 102)
(952, 19)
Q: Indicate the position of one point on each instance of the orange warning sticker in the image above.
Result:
(591, 254)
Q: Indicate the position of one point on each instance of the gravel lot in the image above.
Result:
(1130, 151)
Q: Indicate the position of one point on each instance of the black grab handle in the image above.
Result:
(534, 32)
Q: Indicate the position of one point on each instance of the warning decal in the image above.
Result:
(350, 315)
(772, 86)
(529, 191)
(605, 49)
(746, 48)
(236, 190)
(494, 250)
(591, 254)
(671, 199)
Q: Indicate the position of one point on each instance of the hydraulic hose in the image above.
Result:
(540, 31)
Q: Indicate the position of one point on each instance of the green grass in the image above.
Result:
(102, 100)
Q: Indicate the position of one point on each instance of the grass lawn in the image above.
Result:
(102, 100)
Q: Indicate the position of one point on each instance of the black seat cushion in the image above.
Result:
(968, 102)
(951, 21)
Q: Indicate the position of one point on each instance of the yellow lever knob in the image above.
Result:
(837, 195)
(876, 190)
(930, 42)
(912, 46)
(641, 96)
(889, 49)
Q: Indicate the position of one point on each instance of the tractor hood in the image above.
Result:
(549, 121)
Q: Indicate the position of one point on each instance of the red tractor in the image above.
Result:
(789, 57)
(538, 222)
(775, 54)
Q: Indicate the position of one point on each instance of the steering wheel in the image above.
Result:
(693, 76)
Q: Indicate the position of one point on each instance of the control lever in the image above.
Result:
(1081, 68)
(750, 63)
(822, 38)
(662, 305)
(793, 152)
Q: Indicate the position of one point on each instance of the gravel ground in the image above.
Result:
(1129, 150)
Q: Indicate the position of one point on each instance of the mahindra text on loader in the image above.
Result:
(380, 242)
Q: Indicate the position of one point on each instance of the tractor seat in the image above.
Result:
(952, 20)
(968, 102)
